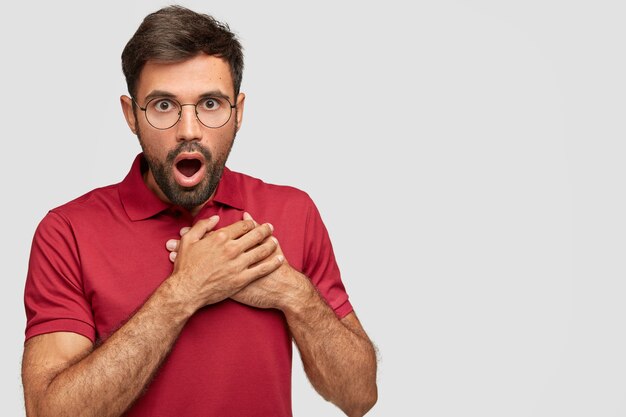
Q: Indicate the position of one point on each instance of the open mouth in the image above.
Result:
(188, 167)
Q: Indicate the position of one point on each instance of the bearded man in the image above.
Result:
(178, 291)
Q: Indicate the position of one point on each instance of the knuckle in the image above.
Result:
(221, 236)
(241, 279)
(247, 225)
(270, 247)
(262, 252)
(266, 267)
(231, 250)
(258, 234)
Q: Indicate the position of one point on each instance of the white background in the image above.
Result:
(467, 158)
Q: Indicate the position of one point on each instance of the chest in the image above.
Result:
(122, 264)
(125, 262)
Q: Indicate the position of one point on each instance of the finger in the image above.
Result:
(263, 268)
(256, 236)
(262, 251)
(173, 256)
(237, 229)
(279, 249)
(184, 230)
(201, 228)
(172, 245)
(247, 216)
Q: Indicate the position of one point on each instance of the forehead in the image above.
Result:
(188, 79)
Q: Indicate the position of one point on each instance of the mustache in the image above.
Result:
(189, 147)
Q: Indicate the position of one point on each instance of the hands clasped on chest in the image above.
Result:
(242, 261)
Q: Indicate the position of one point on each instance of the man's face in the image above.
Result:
(185, 161)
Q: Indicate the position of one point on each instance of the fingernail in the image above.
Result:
(170, 244)
(271, 227)
(280, 258)
(275, 240)
(173, 256)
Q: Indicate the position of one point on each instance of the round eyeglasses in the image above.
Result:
(163, 113)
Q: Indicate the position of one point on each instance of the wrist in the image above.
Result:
(302, 297)
(177, 297)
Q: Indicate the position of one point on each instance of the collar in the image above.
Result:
(141, 203)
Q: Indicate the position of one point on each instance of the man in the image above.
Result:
(114, 329)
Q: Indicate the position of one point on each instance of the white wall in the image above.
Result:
(466, 157)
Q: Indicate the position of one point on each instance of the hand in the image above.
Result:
(276, 290)
(210, 266)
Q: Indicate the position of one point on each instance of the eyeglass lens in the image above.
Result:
(163, 113)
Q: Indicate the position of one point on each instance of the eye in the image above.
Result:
(210, 104)
(163, 105)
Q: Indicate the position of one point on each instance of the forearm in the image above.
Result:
(109, 379)
(339, 361)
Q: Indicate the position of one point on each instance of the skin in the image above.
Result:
(188, 81)
(64, 374)
(338, 357)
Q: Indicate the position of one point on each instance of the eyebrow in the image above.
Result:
(167, 94)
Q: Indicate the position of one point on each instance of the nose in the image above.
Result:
(188, 127)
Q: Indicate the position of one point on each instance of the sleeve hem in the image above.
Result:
(343, 309)
(62, 325)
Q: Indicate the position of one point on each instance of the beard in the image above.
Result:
(187, 197)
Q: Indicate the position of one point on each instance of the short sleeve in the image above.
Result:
(320, 264)
(53, 296)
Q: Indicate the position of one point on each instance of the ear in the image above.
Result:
(129, 114)
(241, 99)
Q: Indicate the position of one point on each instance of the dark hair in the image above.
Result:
(175, 33)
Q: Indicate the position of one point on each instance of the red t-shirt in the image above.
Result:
(95, 260)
